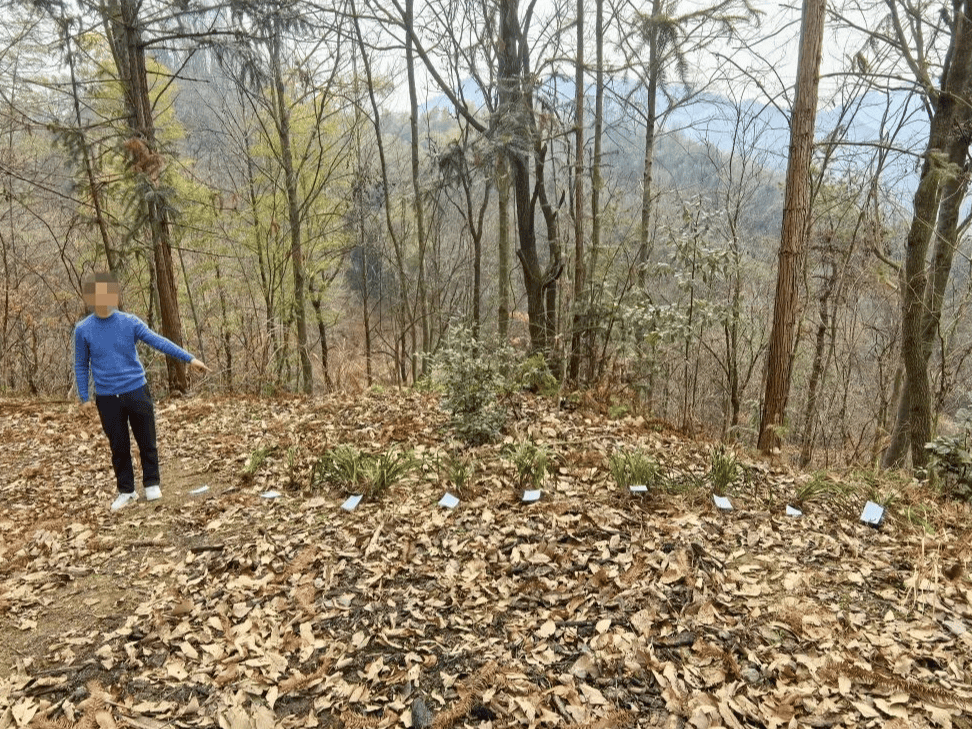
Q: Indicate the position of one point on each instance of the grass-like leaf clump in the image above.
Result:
(635, 468)
(357, 472)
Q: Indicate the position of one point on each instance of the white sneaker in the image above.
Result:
(153, 492)
(123, 500)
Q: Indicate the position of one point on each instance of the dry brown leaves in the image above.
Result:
(587, 609)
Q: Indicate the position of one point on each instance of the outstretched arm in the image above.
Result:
(167, 346)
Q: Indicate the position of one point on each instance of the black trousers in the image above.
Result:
(116, 413)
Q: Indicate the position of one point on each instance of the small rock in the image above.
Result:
(956, 626)
(751, 675)
(421, 716)
(479, 712)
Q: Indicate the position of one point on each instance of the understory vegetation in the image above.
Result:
(591, 605)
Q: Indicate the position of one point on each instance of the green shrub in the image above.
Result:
(531, 463)
(473, 377)
(534, 375)
(633, 468)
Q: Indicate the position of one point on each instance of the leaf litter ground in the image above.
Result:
(590, 608)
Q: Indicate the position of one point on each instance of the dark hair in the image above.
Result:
(90, 281)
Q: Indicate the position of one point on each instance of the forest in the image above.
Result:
(571, 364)
(316, 197)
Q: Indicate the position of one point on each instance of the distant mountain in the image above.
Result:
(859, 124)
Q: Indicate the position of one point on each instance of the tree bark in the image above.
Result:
(580, 282)
(316, 296)
(511, 110)
(555, 264)
(654, 70)
(417, 207)
(944, 160)
(796, 218)
(293, 210)
(516, 117)
(816, 369)
(596, 181)
(128, 50)
(227, 340)
(503, 234)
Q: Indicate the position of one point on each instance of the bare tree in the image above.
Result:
(796, 219)
(123, 27)
(914, 35)
(672, 39)
(580, 262)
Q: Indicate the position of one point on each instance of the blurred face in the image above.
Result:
(104, 298)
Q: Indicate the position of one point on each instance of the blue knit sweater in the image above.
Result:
(108, 345)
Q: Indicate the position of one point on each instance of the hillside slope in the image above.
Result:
(589, 608)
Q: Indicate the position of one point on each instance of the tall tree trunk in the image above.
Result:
(580, 283)
(816, 369)
(197, 325)
(732, 353)
(128, 49)
(266, 274)
(366, 309)
(417, 205)
(386, 187)
(477, 238)
(555, 263)
(515, 116)
(596, 181)
(731, 332)
(503, 234)
(944, 160)
(476, 225)
(796, 220)
(533, 280)
(953, 192)
(293, 210)
(227, 341)
(654, 70)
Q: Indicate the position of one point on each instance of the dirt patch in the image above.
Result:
(98, 576)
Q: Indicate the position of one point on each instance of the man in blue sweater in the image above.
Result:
(105, 342)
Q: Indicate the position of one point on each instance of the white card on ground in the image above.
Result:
(352, 502)
(533, 495)
(872, 514)
(200, 490)
(722, 502)
(271, 495)
(638, 489)
(793, 511)
(449, 501)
